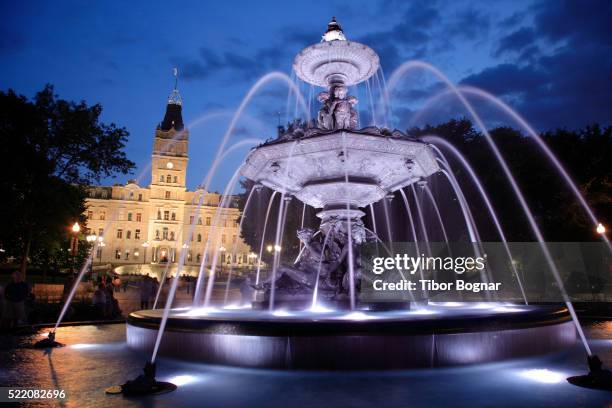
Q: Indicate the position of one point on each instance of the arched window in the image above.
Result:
(168, 178)
(161, 178)
(199, 237)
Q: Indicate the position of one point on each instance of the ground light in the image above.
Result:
(144, 384)
(598, 377)
(48, 342)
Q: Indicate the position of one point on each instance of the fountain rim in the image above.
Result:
(260, 324)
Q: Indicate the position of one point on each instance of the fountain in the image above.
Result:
(309, 314)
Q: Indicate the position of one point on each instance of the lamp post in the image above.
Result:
(76, 228)
(145, 245)
(92, 239)
(252, 259)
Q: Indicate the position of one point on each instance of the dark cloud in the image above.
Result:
(565, 81)
(468, 24)
(516, 41)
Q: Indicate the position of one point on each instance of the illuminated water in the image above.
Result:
(97, 357)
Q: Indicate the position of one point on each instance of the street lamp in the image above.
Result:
(252, 259)
(74, 242)
(145, 245)
(601, 229)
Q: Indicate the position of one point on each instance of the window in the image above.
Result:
(89, 215)
(198, 257)
(158, 214)
(190, 219)
(161, 178)
(208, 221)
(166, 215)
(138, 217)
(189, 256)
(131, 195)
(117, 254)
(127, 254)
(222, 258)
(139, 197)
(244, 258)
(128, 235)
(173, 217)
(137, 234)
(129, 217)
(156, 234)
(199, 237)
(119, 233)
(165, 233)
(167, 195)
(171, 235)
(102, 215)
(199, 220)
(136, 253)
(101, 232)
(175, 179)
(168, 178)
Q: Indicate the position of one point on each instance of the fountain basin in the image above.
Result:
(432, 337)
(341, 167)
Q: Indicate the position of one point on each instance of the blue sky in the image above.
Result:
(551, 60)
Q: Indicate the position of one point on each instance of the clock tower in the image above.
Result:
(168, 181)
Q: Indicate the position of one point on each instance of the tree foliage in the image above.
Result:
(51, 149)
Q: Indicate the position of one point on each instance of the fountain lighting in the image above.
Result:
(543, 375)
(282, 313)
(422, 311)
(184, 379)
(357, 316)
(82, 346)
(447, 304)
(317, 308)
(236, 306)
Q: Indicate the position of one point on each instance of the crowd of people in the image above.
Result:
(103, 299)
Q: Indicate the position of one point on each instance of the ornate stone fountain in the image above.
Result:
(332, 166)
(339, 169)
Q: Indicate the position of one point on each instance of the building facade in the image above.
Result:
(152, 224)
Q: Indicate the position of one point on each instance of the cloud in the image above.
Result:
(557, 71)
(516, 41)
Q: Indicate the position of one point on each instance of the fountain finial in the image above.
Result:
(334, 32)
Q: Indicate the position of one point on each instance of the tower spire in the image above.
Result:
(175, 96)
(173, 119)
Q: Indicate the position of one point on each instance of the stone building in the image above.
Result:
(151, 224)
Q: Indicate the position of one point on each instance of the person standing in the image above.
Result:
(15, 295)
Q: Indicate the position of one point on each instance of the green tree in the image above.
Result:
(51, 149)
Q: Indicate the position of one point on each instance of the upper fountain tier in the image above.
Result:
(335, 61)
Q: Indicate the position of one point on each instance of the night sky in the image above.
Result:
(550, 60)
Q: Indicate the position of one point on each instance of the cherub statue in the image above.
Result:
(325, 119)
(342, 107)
